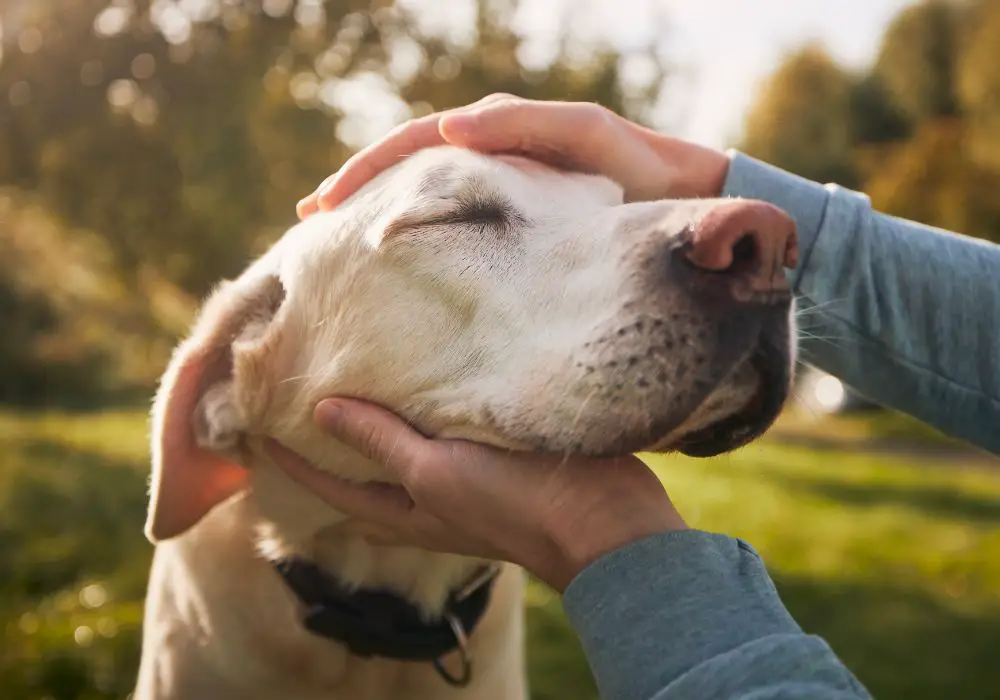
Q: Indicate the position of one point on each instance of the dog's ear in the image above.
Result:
(197, 421)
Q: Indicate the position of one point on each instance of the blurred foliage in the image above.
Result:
(177, 135)
(800, 118)
(917, 60)
(74, 331)
(979, 84)
(73, 561)
(919, 132)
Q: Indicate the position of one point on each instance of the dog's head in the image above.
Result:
(492, 299)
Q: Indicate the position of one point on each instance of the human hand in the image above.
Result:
(578, 136)
(553, 516)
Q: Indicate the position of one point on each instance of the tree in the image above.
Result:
(916, 62)
(801, 118)
(874, 116)
(979, 82)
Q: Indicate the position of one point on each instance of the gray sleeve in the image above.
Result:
(695, 615)
(907, 314)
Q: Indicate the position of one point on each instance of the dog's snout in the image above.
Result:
(747, 242)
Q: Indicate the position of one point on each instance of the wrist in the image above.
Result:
(700, 171)
(694, 171)
(577, 546)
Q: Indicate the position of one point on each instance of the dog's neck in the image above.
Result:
(289, 521)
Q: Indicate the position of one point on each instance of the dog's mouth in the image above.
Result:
(773, 372)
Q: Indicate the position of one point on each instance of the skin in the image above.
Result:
(551, 515)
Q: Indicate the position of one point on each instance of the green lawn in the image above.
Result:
(896, 561)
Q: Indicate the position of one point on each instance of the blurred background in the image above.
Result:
(149, 148)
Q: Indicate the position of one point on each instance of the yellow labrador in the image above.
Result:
(486, 298)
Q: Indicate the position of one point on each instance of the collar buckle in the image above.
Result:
(464, 676)
(483, 577)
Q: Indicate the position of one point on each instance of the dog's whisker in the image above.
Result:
(297, 378)
(579, 416)
(820, 338)
(815, 308)
(830, 340)
(392, 450)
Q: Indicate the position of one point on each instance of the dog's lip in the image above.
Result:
(752, 420)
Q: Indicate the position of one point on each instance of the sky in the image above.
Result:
(722, 48)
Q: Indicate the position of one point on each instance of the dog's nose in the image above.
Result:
(747, 242)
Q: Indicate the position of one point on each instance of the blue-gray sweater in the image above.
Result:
(910, 316)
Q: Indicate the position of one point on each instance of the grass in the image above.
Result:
(895, 560)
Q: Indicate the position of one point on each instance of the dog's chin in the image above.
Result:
(749, 422)
(749, 419)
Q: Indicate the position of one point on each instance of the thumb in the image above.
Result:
(376, 433)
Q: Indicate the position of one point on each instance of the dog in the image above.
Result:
(485, 298)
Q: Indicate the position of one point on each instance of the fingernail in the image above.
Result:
(329, 414)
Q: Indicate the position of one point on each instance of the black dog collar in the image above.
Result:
(373, 622)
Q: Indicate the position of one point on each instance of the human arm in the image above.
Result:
(662, 611)
(695, 615)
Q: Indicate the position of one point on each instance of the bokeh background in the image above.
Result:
(149, 148)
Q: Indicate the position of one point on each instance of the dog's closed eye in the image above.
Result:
(496, 213)
(486, 213)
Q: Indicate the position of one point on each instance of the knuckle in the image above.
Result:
(507, 102)
(499, 96)
(597, 121)
(597, 116)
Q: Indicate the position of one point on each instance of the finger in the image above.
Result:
(307, 206)
(578, 131)
(376, 433)
(369, 162)
(384, 504)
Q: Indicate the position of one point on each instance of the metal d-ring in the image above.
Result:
(464, 655)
